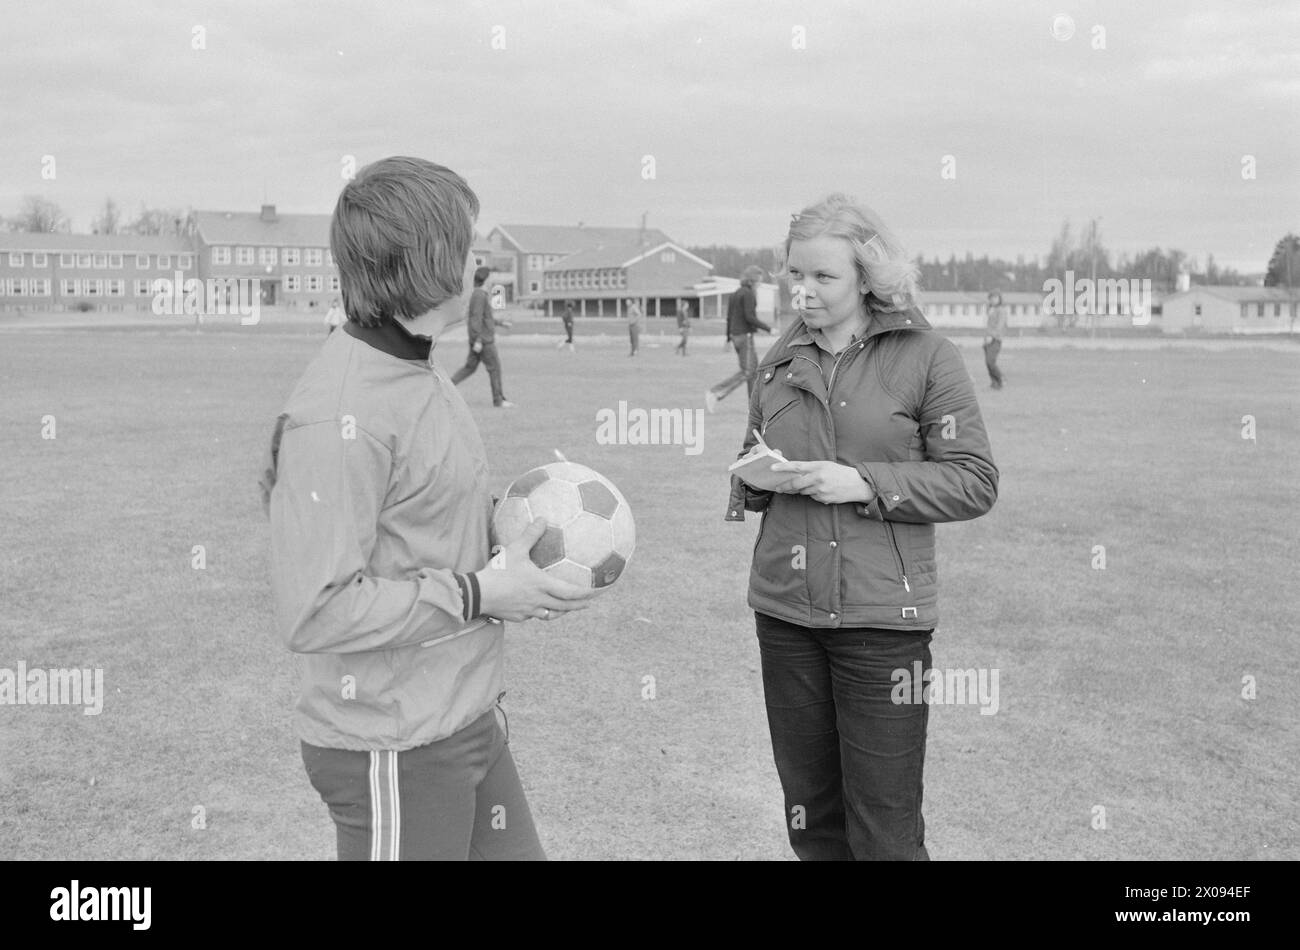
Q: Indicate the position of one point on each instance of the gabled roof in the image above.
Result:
(248, 228)
(569, 239)
(1243, 294)
(45, 242)
(618, 256)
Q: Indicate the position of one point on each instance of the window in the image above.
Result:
(292, 283)
(1277, 310)
(41, 287)
(1197, 310)
(115, 261)
(479, 260)
(70, 288)
(101, 260)
(622, 278)
(243, 255)
(116, 287)
(668, 257)
(329, 258)
(94, 287)
(83, 260)
(534, 262)
(292, 256)
(266, 255)
(142, 285)
(15, 258)
(334, 283)
(142, 262)
(15, 287)
(40, 260)
(164, 260)
(313, 256)
(532, 287)
(185, 261)
(67, 260)
(1259, 309)
(221, 255)
(313, 283)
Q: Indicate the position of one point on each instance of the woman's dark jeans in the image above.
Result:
(850, 759)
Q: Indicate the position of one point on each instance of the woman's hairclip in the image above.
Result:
(794, 218)
(869, 242)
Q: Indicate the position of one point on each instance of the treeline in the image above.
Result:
(37, 214)
(1084, 253)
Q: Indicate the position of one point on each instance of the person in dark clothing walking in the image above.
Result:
(993, 337)
(482, 341)
(742, 321)
(568, 327)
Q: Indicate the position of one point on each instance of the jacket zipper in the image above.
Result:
(899, 557)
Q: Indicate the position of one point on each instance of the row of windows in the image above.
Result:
(143, 287)
(290, 256)
(538, 261)
(579, 279)
(1259, 309)
(313, 283)
(24, 287)
(101, 261)
(972, 309)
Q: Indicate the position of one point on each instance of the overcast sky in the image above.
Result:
(1148, 133)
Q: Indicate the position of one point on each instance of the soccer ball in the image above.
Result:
(589, 535)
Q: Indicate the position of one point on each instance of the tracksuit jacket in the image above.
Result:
(899, 407)
(376, 485)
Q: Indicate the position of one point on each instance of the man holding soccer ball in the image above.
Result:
(376, 488)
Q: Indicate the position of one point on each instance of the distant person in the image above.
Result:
(683, 326)
(742, 322)
(568, 327)
(334, 319)
(993, 337)
(482, 341)
(634, 320)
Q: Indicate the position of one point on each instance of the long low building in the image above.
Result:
(1212, 308)
(601, 279)
(44, 271)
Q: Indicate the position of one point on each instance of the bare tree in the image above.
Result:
(39, 214)
(166, 222)
(109, 219)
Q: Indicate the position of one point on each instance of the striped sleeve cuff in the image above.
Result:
(469, 595)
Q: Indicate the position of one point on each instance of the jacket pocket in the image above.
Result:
(768, 420)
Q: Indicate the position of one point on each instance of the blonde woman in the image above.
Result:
(877, 415)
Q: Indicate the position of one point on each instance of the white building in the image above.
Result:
(1212, 308)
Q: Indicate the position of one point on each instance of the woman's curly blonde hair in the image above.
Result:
(880, 259)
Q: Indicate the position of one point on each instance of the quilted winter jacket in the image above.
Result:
(900, 409)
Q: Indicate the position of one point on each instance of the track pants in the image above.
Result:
(455, 799)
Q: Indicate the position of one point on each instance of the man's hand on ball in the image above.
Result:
(827, 482)
(513, 588)
(477, 347)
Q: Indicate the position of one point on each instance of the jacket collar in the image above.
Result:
(391, 338)
(882, 321)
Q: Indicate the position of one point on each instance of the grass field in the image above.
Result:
(1119, 688)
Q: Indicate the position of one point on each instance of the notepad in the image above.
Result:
(755, 468)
